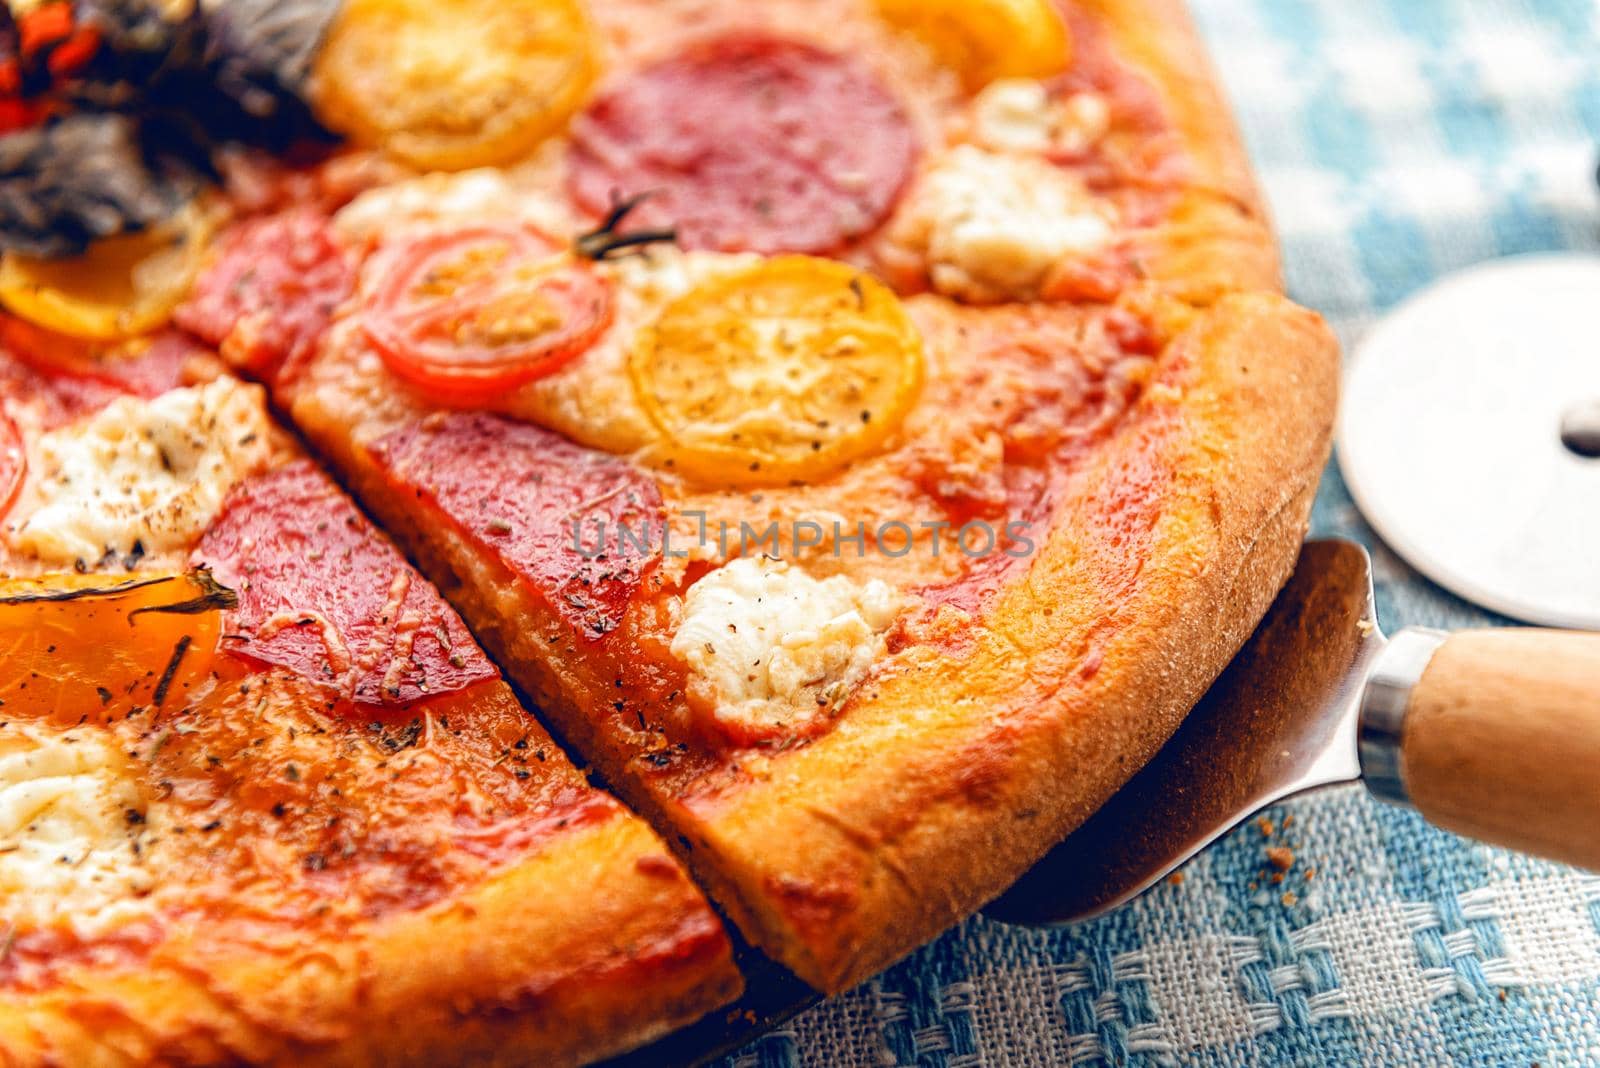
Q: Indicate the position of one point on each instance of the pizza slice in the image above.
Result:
(865, 431)
(262, 796)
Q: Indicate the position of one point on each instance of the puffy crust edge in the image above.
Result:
(861, 859)
(1219, 237)
(509, 973)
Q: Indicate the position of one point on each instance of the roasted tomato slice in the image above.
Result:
(982, 40)
(13, 462)
(451, 86)
(120, 287)
(94, 647)
(781, 373)
(476, 311)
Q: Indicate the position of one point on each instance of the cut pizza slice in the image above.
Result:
(866, 701)
(864, 449)
(262, 796)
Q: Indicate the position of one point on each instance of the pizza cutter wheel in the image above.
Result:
(1470, 435)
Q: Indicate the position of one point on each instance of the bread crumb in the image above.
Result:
(1267, 827)
(1289, 899)
(1176, 878)
(1280, 857)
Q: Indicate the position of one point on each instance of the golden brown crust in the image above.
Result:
(862, 858)
(1219, 235)
(1159, 36)
(510, 973)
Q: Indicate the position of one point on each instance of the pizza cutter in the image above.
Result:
(1470, 435)
(1493, 734)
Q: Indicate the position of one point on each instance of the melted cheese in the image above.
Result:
(990, 227)
(153, 472)
(592, 399)
(72, 821)
(769, 648)
(482, 195)
(1020, 115)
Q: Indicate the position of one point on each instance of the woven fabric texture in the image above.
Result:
(1398, 140)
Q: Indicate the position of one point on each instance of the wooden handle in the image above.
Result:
(1502, 741)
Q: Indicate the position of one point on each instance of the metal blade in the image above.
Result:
(1280, 719)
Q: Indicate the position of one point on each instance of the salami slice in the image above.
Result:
(268, 296)
(63, 380)
(583, 529)
(323, 594)
(748, 143)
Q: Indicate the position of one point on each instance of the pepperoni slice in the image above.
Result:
(748, 143)
(582, 528)
(64, 379)
(323, 594)
(269, 294)
(59, 399)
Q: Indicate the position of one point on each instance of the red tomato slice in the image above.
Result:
(13, 462)
(485, 309)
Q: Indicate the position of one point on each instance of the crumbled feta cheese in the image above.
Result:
(1020, 115)
(1014, 115)
(990, 227)
(148, 471)
(769, 648)
(71, 816)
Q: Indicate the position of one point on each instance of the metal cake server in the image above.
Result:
(1495, 734)
(1315, 684)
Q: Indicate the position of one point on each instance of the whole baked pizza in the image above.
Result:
(858, 429)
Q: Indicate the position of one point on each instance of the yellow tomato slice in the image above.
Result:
(120, 287)
(454, 85)
(781, 373)
(982, 40)
(76, 648)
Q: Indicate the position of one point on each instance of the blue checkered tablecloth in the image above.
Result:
(1398, 141)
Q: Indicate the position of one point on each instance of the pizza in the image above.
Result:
(262, 795)
(859, 429)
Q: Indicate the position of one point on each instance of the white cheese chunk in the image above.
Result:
(991, 226)
(148, 471)
(769, 648)
(1020, 115)
(71, 820)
